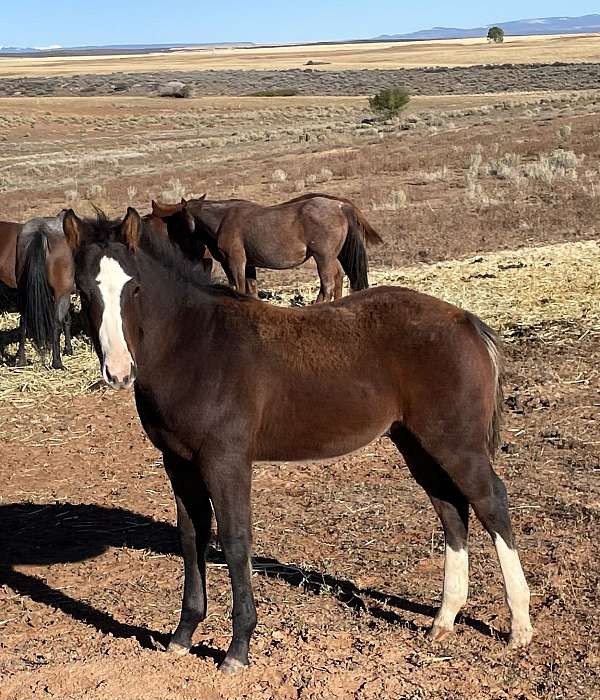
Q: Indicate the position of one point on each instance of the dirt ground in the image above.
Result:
(491, 202)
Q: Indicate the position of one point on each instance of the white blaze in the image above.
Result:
(117, 358)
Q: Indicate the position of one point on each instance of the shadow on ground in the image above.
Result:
(41, 535)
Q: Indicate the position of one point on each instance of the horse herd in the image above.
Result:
(222, 380)
(239, 234)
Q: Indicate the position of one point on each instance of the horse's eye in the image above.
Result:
(136, 290)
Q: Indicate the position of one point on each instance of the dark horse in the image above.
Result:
(45, 280)
(222, 380)
(243, 235)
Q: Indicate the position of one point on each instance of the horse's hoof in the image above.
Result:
(437, 633)
(179, 649)
(68, 351)
(57, 365)
(520, 638)
(232, 666)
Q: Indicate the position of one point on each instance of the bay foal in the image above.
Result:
(222, 380)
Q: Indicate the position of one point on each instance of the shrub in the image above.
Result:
(395, 200)
(175, 88)
(496, 34)
(390, 101)
(279, 175)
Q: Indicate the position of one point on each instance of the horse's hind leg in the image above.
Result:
(194, 516)
(61, 310)
(251, 282)
(453, 510)
(67, 330)
(328, 272)
(472, 473)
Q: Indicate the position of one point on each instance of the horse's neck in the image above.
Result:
(211, 215)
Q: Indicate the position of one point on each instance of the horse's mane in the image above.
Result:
(104, 231)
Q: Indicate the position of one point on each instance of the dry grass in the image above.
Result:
(453, 52)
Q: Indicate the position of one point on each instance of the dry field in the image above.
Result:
(377, 55)
(489, 202)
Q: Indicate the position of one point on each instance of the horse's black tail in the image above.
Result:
(36, 301)
(353, 255)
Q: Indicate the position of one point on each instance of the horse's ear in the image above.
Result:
(155, 208)
(131, 228)
(184, 201)
(73, 228)
(200, 200)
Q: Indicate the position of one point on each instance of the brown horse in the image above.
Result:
(9, 232)
(223, 381)
(244, 235)
(45, 281)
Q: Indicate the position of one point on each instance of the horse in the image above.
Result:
(45, 281)
(224, 380)
(243, 235)
(8, 248)
(9, 232)
(192, 248)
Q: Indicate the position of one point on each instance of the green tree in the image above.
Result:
(496, 34)
(390, 101)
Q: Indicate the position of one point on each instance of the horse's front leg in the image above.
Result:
(228, 477)
(235, 269)
(194, 517)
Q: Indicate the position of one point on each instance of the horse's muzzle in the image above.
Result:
(119, 380)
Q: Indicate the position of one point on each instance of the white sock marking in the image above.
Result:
(117, 359)
(456, 586)
(517, 591)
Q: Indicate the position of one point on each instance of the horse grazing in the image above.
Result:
(45, 281)
(244, 235)
(224, 380)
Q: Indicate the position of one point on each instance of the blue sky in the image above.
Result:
(81, 22)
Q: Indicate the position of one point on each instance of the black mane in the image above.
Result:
(103, 232)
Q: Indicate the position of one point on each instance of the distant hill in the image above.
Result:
(112, 49)
(522, 27)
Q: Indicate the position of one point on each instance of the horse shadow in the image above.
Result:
(63, 533)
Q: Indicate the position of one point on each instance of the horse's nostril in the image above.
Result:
(125, 380)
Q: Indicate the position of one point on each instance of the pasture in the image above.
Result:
(374, 55)
(490, 202)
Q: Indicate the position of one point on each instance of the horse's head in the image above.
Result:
(108, 280)
(181, 225)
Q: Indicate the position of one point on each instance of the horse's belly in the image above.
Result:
(275, 258)
(322, 434)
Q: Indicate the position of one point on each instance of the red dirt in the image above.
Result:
(90, 579)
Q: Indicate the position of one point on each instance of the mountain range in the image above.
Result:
(522, 27)
(543, 25)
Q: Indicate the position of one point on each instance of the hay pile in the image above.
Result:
(510, 288)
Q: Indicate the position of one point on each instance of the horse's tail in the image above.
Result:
(36, 300)
(492, 345)
(353, 255)
(370, 235)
